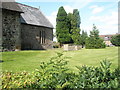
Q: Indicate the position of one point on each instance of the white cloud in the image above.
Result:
(109, 23)
(87, 28)
(108, 29)
(52, 18)
(68, 9)
(111, 19)
(78, 4)
(96, 9)
(94, 6)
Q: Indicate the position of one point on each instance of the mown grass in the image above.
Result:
(30, 60)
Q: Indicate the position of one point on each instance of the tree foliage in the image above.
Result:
(68, 26)
(62, 26)
(76, 36)
(71, 19)
(83, 38)
(116, 40)
(75, 26)
(94, 41)
(77, 17)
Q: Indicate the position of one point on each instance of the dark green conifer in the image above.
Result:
(62, 26)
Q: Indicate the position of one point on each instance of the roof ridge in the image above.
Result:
(27, 5)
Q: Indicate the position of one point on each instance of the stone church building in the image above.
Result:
(25, 28)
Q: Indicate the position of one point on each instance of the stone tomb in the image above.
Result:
(71, 47)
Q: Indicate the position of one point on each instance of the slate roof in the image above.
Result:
(33, 16)
(11, 6)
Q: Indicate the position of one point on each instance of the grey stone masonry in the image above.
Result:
(0, 27)
(36, 37)
(10, 30)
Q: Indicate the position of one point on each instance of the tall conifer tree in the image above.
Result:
(62, 26)
(77, 17)
(75, 27)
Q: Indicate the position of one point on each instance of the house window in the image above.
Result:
(42, 37)
(105, 38)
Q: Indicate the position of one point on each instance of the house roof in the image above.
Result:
(11, 6)
(107, 37)
(33, 16)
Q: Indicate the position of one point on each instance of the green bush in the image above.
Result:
(116, 40)
(17, 80)
(97, 77)
(55, 74)
(92, 43)
(56, 46)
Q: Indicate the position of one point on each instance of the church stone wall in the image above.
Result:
(10, 30)
(31, 37)
(17, 36)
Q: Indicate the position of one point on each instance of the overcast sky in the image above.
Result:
(102, 13)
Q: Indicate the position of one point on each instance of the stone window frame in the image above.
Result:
(42, 37)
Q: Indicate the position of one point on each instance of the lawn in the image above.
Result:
(30, 60)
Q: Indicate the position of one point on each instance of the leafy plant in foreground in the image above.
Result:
(97, 77)
(55, 74)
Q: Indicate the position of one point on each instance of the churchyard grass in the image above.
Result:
(29, 60)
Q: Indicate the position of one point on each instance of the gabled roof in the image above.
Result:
(33, 16)
(11, 6)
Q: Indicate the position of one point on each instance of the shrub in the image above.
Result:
(56, 46)
(97, 77)
(116, 40)
(17, 80)
(52, 74)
